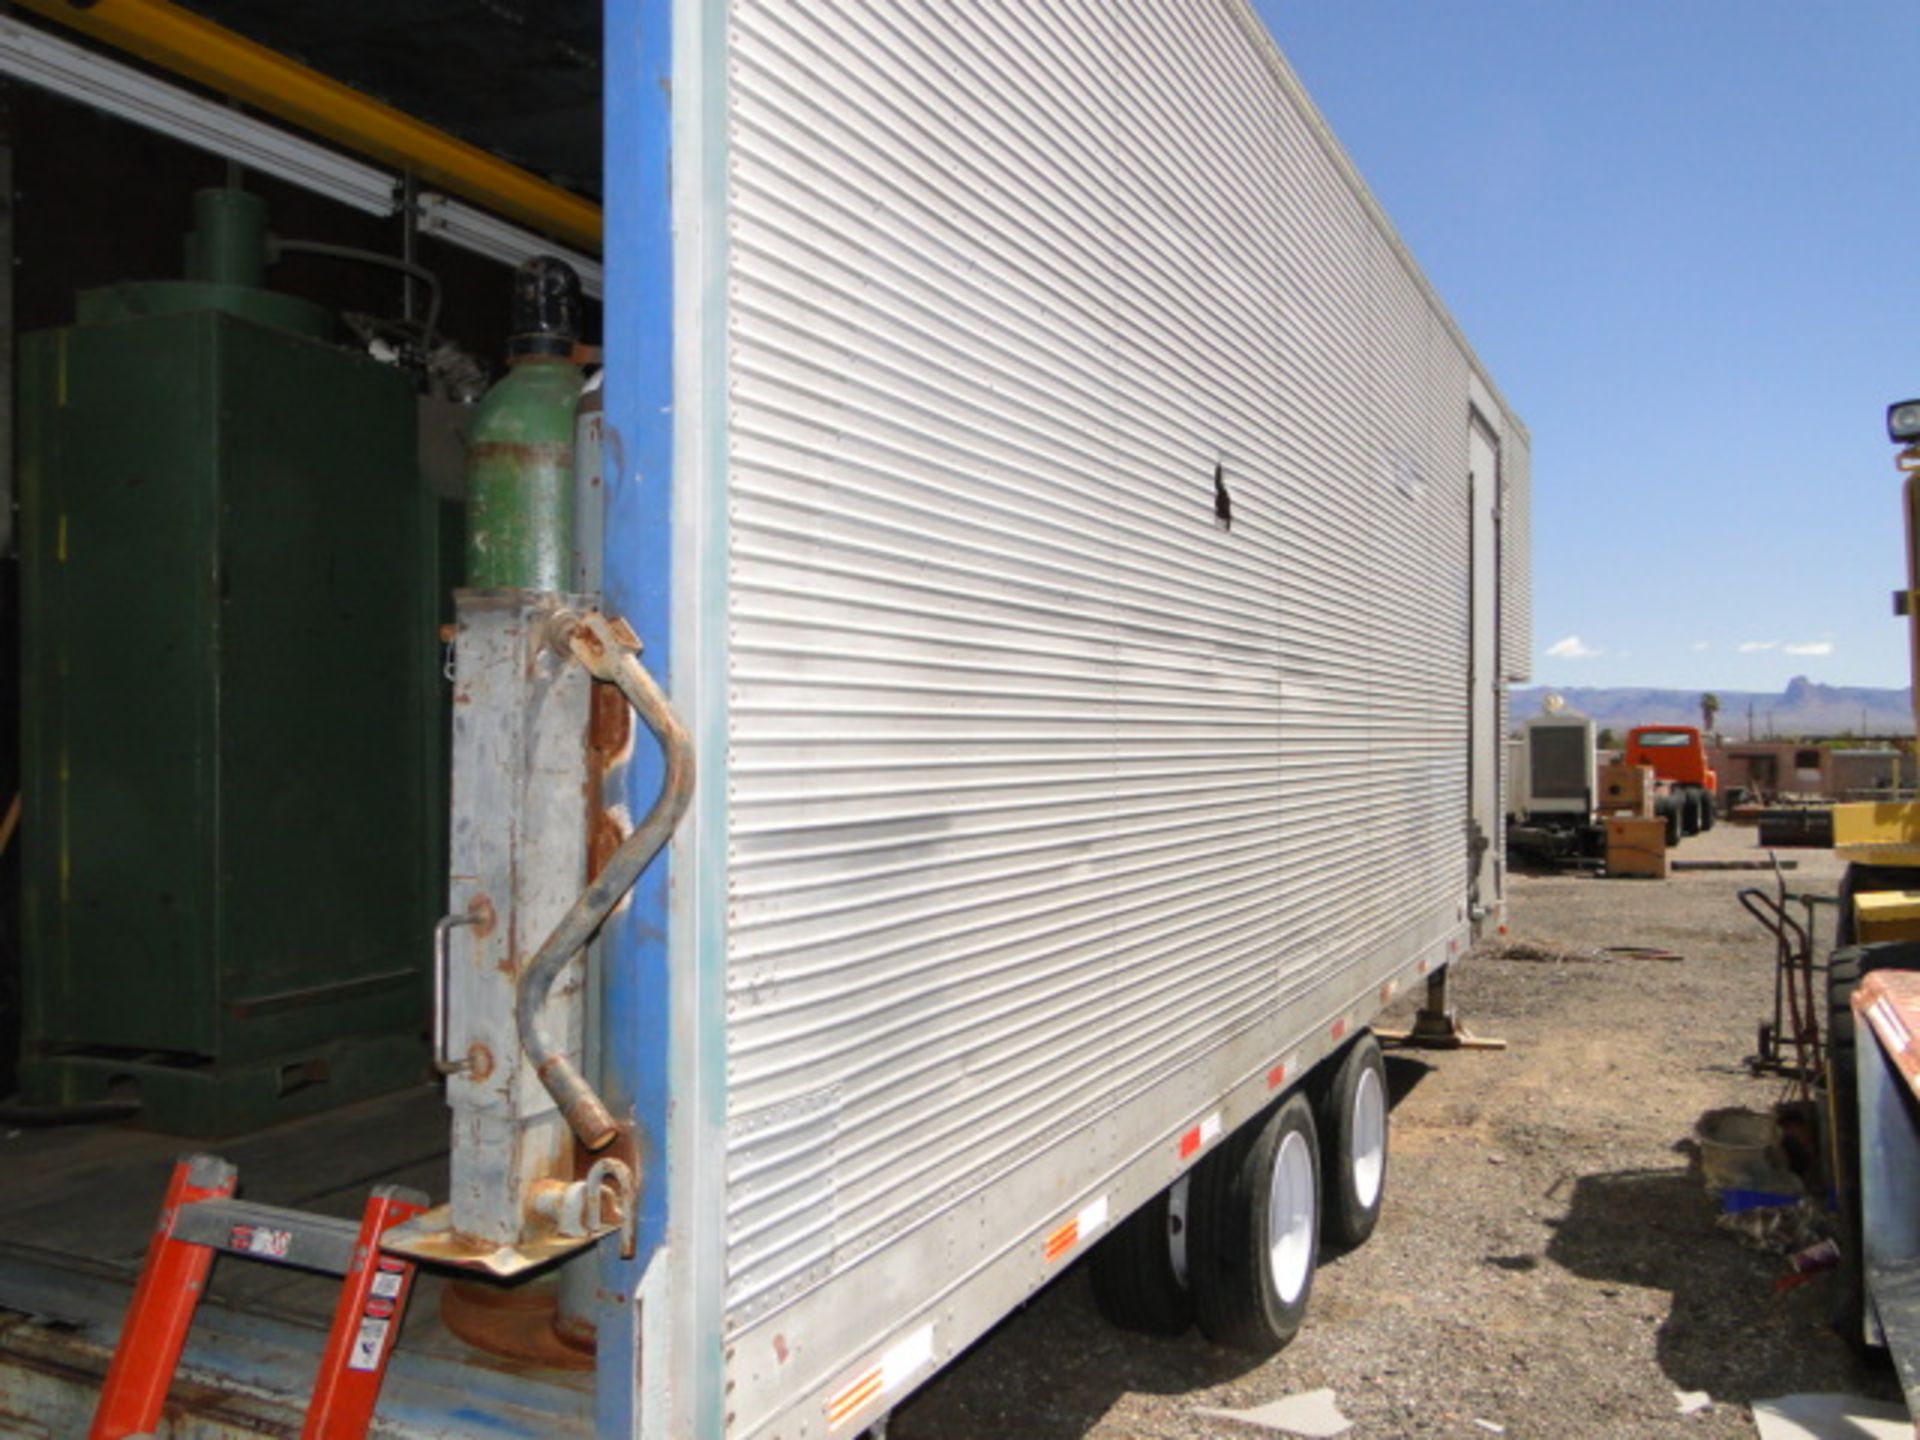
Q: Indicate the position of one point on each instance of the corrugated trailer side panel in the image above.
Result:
(1058, 806)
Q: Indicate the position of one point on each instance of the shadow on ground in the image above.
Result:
(1728, 1331)
(1404, 1074)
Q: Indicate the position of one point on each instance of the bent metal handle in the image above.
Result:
(607, 649)
(442, 946)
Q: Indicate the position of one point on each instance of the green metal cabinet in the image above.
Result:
(230, 730)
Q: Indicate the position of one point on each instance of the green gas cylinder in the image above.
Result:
(520, 446)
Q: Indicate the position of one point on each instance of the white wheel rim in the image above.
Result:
(1368, 1127)
(1291, 1219)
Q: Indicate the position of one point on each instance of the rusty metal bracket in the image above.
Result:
(610, 652)
(579, 1210)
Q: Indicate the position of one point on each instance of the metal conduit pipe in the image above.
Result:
(180, 41)
(609, 655)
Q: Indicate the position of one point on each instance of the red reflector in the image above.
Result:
(1189, 1142)
(1276, 1077)
(1339, 1029)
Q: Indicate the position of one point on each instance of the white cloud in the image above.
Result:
(1747, 647)
(1810, 647)
(1701, 645)
(1571, 648)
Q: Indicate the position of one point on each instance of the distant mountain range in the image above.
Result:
(1802, 709)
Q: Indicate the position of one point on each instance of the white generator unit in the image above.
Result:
(1559, 779)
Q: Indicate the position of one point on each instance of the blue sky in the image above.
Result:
(1684, 236)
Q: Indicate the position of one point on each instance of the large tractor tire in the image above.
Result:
(1689, 810)
(1846, 967)
(1669, 808)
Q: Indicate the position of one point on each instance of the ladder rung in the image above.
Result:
(199, 1216)
(267, 1232)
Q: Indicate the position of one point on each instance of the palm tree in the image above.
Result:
(1709, 707)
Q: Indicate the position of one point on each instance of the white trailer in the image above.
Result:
(1099, 561)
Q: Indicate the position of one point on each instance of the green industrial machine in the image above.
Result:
(231, 728)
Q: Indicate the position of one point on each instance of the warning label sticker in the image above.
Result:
(261, 1240)
(369, 1345)
(387, 1285)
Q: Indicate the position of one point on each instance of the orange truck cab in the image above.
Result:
(1678, 755)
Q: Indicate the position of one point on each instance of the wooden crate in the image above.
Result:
(1626, 790)
(1636, 846)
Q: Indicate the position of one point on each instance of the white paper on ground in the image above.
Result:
(1830, 1417)
(1313, 1415)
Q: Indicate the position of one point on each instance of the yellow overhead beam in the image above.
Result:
(183, 43)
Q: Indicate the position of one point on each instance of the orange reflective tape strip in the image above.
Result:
(1082, 1227)
(854, 1398)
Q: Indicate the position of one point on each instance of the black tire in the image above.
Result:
(1672, 816)
(1843, 1099)
(1689, 811)
(1353, 1146)
(1845, 969)
(1707, 817)
(1139, 1271)
(1249, 1292)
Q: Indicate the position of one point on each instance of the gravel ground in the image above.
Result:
(1548, 1260)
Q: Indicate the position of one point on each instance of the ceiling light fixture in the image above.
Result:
(472, 229)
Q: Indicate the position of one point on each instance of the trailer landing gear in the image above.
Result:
(1436, 1026)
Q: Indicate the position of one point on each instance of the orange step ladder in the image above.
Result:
(199, 1217)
